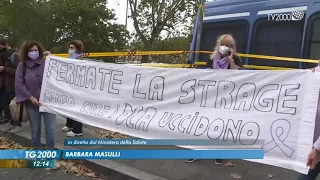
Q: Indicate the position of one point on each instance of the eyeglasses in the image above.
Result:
(71, 47)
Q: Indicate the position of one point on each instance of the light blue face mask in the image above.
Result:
(71, 52)
(33, 55)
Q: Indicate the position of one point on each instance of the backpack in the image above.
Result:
(12, 56)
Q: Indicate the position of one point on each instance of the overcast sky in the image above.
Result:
(119, 7)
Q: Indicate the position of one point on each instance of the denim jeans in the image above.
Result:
(312, 174)
(34, 117)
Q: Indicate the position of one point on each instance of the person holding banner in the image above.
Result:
(74, 128)
(224, 56)
(313, 158)
(28, 81)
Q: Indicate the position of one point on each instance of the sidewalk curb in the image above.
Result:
(108, 168)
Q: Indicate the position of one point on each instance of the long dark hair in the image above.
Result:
(25, 48)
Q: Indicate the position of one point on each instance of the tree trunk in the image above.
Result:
(147, 46)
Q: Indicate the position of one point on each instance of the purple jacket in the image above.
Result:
(33, 81)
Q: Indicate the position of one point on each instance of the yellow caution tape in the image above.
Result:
(252, 66)
(271, 57)
(133, 53)
(167, 65)
(266, 67)
(198, 64)
(141, 53)
(278, 58)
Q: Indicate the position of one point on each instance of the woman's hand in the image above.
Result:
(231, 60)
(230, 57)
(312, 69)
(47, 53)
(34, 101)
(313, 158)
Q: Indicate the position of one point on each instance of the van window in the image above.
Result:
(211, 32)
(276, 38)
(312, 43)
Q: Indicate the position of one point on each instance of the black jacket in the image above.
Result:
(3, 58)
(9, 71)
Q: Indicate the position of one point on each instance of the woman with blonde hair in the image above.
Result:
(223, 57)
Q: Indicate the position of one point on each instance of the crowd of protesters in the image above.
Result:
(21, 73)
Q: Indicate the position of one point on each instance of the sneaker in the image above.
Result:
(16, 129)
(66, 129)
(218, 161)
(72, 134)
(189, 160)
(7, 129)
(3, 120)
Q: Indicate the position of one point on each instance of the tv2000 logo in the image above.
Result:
(40, 154)
(295, 15)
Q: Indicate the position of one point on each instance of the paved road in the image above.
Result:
(37, 174)
(169, 169)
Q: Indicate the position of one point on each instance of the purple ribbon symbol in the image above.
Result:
(279, 131)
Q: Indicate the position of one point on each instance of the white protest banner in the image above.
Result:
(240, 107)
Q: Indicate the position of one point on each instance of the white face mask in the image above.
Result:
(223, 50)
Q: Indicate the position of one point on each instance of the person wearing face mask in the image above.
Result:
(28, 81)
(223, 57)
(74, 128)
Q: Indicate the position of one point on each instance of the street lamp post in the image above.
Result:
(126, 25)
(127, 9)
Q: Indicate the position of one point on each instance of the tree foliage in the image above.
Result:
(171, 44)
(169, 18)
(157, 24)
(160, 19)
(56, 22)
(168, 44)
